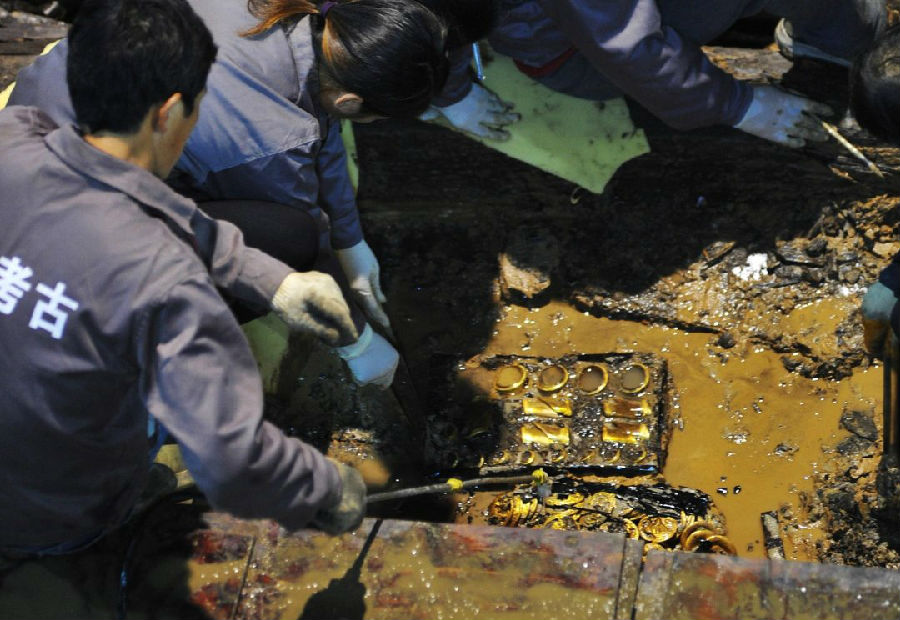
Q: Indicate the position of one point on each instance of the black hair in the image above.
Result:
(125, 56)
(875, 87)
(467, 20)
(392, 53)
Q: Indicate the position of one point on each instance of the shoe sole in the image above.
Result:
(792, 50)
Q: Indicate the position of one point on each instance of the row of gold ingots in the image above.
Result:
(597, 512)
(625, 415)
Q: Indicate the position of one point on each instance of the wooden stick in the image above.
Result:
(831, 129)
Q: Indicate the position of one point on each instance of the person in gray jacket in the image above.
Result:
(109, 310)
(650, 51)
(287, 72)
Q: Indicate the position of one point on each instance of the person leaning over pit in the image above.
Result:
(650, 51)
(287, 72)
(109, 316)
(875, 104)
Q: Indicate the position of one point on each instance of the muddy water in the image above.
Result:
(752, 435)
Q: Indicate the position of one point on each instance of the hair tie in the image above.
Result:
(326, 6)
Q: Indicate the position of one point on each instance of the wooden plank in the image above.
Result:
(422, 570)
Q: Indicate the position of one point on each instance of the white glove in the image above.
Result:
(371, 359)
(312, 302)
(784, 118)
(481, 112)
(361, 267)
(348, 513)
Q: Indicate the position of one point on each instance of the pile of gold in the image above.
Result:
(608, 513)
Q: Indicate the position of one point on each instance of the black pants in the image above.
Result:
(288, 234)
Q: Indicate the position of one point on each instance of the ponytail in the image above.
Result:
(270, 12)
(392, 53)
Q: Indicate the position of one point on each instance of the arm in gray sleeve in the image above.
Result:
(200, 380)
(627, 42)
(336, 190)
(246, 273)
(314, 174)
(459, 78)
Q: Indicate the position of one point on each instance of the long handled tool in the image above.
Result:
(538, 478)
(891, 419)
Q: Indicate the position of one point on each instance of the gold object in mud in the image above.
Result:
(631, 530)
(547, 407)
(526, 458)
(510, 378)
(721, 545)
(650, 546)
(625, 432)
(635, 378)
(552, 378)
(593, 379)
(590, 456)
(501, 458)
(569, 500)
(694, 526)
(626, 408)
(544, 434)
(657, 529)
(716, 543)
(558, 456)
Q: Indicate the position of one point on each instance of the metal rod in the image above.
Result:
(891, 427)
(479, 64)
(446, 487)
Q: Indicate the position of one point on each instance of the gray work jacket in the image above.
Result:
(261, 133)
(628, 43)
(108, 314)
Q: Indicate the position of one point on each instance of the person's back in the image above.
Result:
(73, 326)
(110, 315)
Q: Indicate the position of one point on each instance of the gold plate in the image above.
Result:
(510, 378)
(552, 378)
(592, 379)
(634, 378)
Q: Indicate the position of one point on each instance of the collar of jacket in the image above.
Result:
(147, 190)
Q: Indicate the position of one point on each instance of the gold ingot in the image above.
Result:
(593, 379)
(635, 378)
(547, 407)
(544, 434)
(657, 529)
(625, 432)
(510, 378)
(552, 378)
(631, 530)
(626, 408)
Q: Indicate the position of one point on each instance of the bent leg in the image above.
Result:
(843, 28)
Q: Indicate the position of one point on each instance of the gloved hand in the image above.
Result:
(361, 267)
(876, 310)
(312, 302)
(371, 359)
(481, 112)
(348, 513)
(784, 118)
